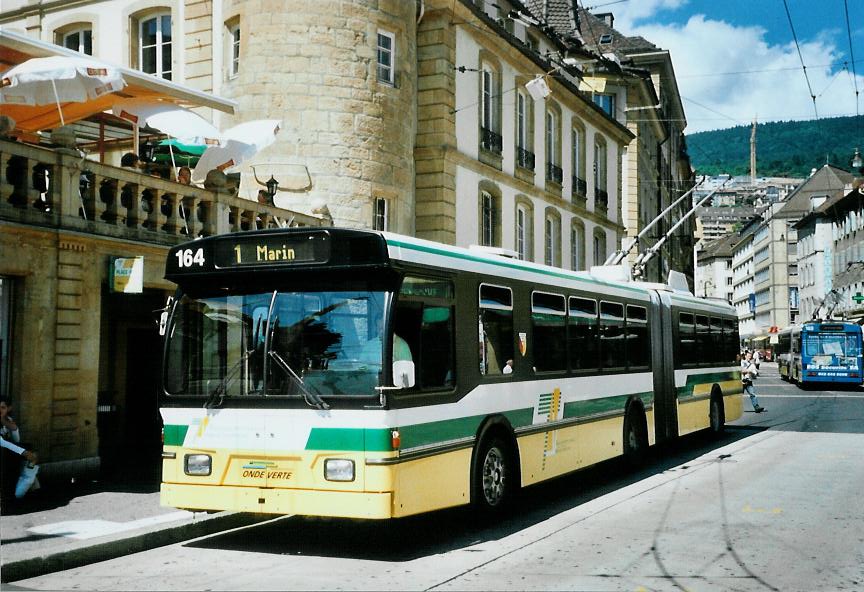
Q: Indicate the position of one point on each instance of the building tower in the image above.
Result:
(315, 67)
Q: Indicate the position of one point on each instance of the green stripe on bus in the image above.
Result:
(174, 435)
(349, 439)
(434, 432)
(576, 409)
(505, 263)
(709, 377)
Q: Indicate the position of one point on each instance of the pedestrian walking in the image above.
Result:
(749, 373)
(757, 358)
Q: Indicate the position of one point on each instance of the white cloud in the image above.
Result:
(705, 52)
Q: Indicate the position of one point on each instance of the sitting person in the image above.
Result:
(130, 160)
(184, 175)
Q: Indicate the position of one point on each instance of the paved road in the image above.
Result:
(773, 505)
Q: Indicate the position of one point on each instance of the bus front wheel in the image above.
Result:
(493, 481)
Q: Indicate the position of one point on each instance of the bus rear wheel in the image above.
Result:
(635, 438)
(493, 482)
(716, 416)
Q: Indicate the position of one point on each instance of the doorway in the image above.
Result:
(129, 423)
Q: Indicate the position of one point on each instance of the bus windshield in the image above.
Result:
(831, 349)
(308, 344)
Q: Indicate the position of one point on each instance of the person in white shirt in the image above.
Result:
(757, 357)
(748, 373)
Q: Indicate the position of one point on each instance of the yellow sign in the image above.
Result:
(591, 84)
(126, 275)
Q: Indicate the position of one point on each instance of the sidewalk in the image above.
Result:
(57, 528)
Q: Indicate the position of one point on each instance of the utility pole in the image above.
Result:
(753, 153)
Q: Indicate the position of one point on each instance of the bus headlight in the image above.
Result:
(339, 469)
(197, 464)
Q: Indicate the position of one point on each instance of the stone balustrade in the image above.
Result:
(58, 188)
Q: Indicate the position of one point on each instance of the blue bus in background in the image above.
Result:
(820, 353)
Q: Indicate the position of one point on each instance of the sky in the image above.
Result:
(737, 59)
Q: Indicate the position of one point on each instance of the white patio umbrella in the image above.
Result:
(173, 120)
(239, 143)
(58, 79)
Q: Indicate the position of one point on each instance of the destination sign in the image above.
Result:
(271, 250)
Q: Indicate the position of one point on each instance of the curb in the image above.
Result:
(23, 569)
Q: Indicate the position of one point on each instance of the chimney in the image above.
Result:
(606, 17)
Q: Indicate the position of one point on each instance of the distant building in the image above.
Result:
(714, 268)
(717, 222)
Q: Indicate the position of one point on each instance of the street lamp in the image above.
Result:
(857, 161)
(272, 188)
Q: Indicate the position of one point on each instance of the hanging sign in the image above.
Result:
(126, 275)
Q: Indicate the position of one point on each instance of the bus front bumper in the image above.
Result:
(343, 504)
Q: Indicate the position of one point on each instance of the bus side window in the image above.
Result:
(495, 329)
(582, 334)
(686, 340)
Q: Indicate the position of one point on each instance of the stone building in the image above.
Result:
(635, 82)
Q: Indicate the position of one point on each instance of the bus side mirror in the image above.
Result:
(163, 315)
(403, 374)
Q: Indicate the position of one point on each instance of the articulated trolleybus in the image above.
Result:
(351, 373)
(820, 352)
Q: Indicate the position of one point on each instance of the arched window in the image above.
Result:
(524, 226)
(490, 104)
(489, 215)
(599, 246)
(577, 156)
(232, 46)
(601, 195)
(554, 173)
(552, 237)
(154, 44)
(77, 37)
(577, 245)
(524, 130)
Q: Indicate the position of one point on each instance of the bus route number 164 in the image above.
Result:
(190, 257)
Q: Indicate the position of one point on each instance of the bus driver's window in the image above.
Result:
(423, 332)
(495, 329)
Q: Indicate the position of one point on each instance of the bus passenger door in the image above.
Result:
(662, 350)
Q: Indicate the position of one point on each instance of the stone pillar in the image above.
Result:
(436, 125)
(76, 356)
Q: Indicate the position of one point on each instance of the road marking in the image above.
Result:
(815, 396)
(88, 529)
(749, 509)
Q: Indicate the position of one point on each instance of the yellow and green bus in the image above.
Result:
(361, 374)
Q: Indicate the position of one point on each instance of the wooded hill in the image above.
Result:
(783, 149)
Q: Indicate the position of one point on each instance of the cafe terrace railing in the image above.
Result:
(58, 188)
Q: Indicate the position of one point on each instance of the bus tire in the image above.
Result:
(716, 414)
(635, 437)
(493, 484)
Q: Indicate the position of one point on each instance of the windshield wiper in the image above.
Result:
(312, 399)
(222, 387)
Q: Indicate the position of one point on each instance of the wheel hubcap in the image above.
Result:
(493, 477)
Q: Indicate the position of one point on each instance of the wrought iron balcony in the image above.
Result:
(580, 187)
(601, 199)
(524, 158)
(59, 189)
(554, 173)
(490, 140)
